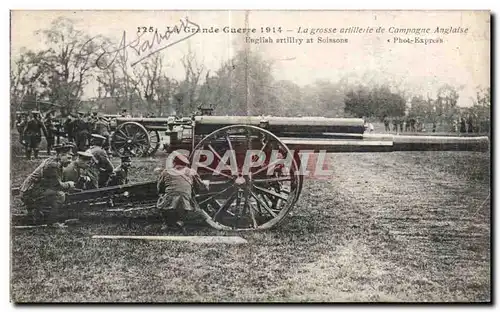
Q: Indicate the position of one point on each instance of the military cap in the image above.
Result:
(98, 137)
(64, 148)
(70, 144)
(81, 113)
(85, 155)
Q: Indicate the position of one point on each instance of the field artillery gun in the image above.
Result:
(254, 166)
(140, 135)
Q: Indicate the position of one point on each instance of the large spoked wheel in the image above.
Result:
(154, 142)
(130, 139)
(253, 178)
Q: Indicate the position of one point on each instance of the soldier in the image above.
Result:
(81, 132)
(21, 121)
(32, 134)
(470, 124)
(174, 188)
(120, 174)
(69, 127)
(463, 125)
(78, 172)
(395, 123)
(43, 191)
(51, 131)
(102, 168)
(387, 124)
(101, 127)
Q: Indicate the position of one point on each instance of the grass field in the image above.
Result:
(398, 227)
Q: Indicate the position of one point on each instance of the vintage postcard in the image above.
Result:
(250, 156)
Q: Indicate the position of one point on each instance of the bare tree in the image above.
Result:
(71, 57)
(189, 87)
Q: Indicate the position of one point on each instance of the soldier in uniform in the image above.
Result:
(101, 127)
(81, 131)
(120, 174)
(470, 124)
(21, 121)
(395, 122)
(175, 191)
(43, 191)
(102, 168)
(78, 172)
(69, 127)
(51, 131)
(463, 125)
(386, 124)
(32, 134)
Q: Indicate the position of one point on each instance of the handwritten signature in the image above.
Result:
(143, 48)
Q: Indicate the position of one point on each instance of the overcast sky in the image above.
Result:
(462, 60)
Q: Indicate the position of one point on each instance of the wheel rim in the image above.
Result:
(244, 197)
(154, 142)
(130, 138)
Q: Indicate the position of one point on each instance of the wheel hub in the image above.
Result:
(240, 181)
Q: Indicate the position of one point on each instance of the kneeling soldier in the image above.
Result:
(174, 188)
(120, 174)
(103, 167)
(78, 172)
(43, 191)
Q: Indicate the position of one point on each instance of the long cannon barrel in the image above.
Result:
(389, 143)
(289, 126)
(340, 135)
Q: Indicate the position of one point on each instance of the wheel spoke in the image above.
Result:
(124, 134)
(269, 192)
(214, 171)
(263, 146)
(126, 131)
(214, 152)
(232, 154)
(229, 142)
(277, 179)
(121, 140)
(141, 140)
(264, 205)
(239, 212)
(252, 215)
(277, 161)
(227, 204)
(212, 195)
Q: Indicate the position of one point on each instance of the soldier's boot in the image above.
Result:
(54, 215)
(28, 153)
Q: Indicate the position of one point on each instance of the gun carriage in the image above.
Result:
(253, 166)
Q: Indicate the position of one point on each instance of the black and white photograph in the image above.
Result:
(250, 156)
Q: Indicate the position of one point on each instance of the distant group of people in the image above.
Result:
(464, 124)
(404, 124)
(31, 126)
(76, 128)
